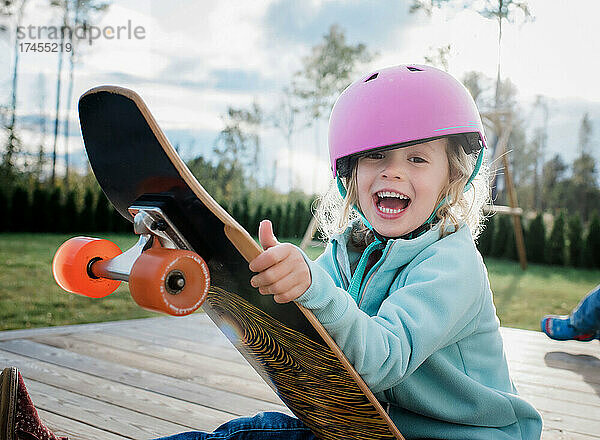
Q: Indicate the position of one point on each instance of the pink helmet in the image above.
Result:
(399, 106)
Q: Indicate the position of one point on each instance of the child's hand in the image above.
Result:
(283, 272)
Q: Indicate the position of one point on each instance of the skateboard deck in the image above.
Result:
(136, 166)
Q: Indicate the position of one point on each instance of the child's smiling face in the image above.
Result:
(398, 189)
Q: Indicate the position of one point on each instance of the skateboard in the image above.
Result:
(192, 253)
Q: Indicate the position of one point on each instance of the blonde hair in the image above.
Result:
(335, 213)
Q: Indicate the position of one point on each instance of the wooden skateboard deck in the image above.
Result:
(135, 164)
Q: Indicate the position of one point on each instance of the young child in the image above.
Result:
(401, 286)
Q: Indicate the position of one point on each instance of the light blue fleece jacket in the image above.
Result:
(424, 336)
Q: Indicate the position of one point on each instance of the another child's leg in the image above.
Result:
(263, 426)
(19, 419)
(583, 324)
(586, 315)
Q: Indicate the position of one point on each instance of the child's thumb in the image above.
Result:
(265, 235)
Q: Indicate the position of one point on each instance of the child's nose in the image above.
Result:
(393, 169)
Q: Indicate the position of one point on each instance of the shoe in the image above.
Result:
(559, 327)
(19, 419)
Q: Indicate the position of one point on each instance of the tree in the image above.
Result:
(536, 240)
(9, 8)
(591, 249)
(499, 10)
(556, 244)
(65, 25)
(585, 134)
(5, 203)
(226, 185)
(84, 12)
(584, 185)
(325, 73)
(238, 147)
(41, 158)
(40, 210)
(87, 214)
(74, 13)
(503, 10)
(552, 174)
(473, 81)
(285, 119)
(575, 238)
(539, 148)
(439, 57)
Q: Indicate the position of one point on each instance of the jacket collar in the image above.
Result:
(397, 252)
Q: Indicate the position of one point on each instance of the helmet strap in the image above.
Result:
(468, 185)
(343, 193)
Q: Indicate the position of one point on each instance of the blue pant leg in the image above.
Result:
(586, 316)
(263, 426)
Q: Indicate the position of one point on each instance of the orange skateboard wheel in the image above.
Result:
(171, 281)
(70, 266)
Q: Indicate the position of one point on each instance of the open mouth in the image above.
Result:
(391, 202)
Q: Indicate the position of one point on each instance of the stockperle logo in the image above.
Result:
(83, 32)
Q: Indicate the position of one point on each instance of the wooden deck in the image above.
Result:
(148, 378)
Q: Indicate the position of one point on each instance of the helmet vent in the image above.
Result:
(372, 77)
(414, 69)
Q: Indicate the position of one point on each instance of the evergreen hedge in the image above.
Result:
(591, 248)
(536, 240)
(556, 244)
(575, 239)
(52, 209)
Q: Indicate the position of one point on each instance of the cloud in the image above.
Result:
(364, 21)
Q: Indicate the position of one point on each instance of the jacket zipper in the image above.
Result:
(336, 263)
(371, 274)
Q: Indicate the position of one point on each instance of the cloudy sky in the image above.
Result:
(198, 57)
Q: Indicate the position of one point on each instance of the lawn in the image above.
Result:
(30, 298)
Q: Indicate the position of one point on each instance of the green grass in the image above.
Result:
(29, 297)
(523, 297)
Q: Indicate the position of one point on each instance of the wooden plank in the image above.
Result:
(518, 340)
(123, 421)
(566, 397)
(203, 344)
(566, 378)
(561, 379)
(559, 434)
(191, 392)
(159, 406)
(558, 385)
(518, 337)
(63, 329)
(242, 370)
(64, 426)
(500, 209)
(189, 330)
(202, 374)
(574, 425)
(574, 417)
(555, 359)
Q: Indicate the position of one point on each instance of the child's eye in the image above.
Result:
(417, 159)
(375, 155)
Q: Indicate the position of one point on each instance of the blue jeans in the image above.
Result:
(263, 426)
(586, 316)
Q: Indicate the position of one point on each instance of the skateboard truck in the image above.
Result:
(150, 224)
(163, 272)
